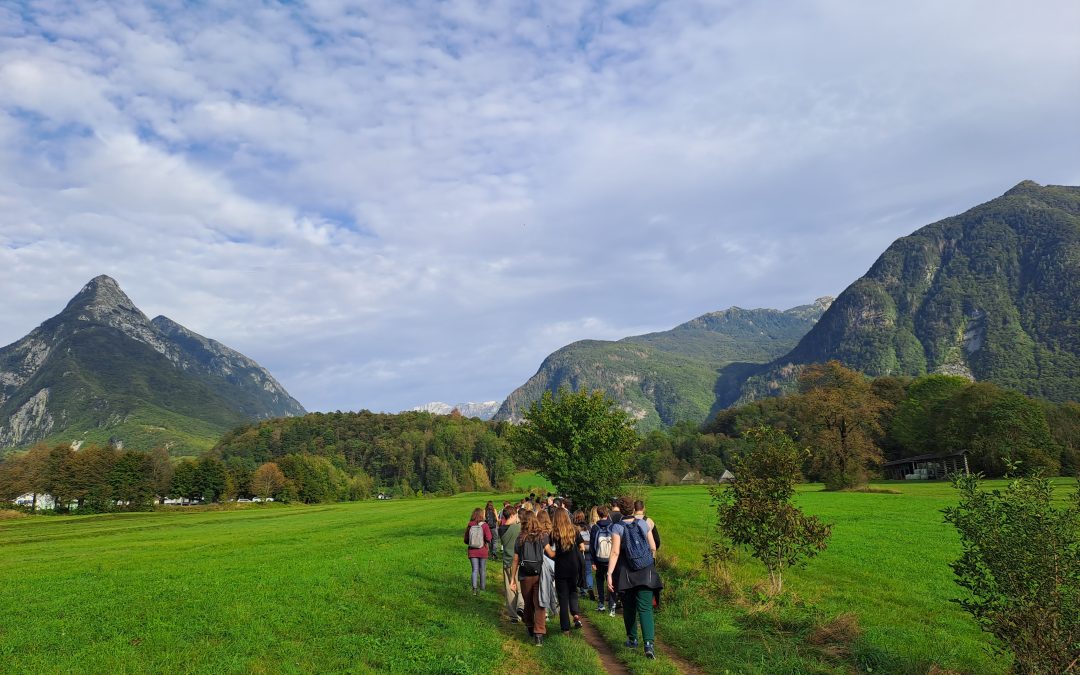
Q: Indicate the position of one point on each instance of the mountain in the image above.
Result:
(667, 377)
(484, 411)
(991, 294)
(100, 371)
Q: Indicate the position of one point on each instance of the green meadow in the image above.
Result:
(384, 587)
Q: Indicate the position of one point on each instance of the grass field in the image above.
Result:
(383, 586)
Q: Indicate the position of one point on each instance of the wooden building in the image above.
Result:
(927, 467)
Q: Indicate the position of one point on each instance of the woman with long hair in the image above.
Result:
(492, 520)
(478, 539)
(567, 543)
(548, 598)
(526, 571)
(586, 585)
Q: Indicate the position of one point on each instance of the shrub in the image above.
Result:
(755, 509)
(1021, 563)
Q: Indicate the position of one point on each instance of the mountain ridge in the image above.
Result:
(665, 377)
(101, 369)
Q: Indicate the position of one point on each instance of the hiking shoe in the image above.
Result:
(521, 614)
(577, 622)
(631, 643)
(649, 653)
(601, 607)
(539, 640)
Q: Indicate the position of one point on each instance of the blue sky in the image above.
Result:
(391, 203)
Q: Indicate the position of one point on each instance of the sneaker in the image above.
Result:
(631, 643)
(612, 612)
(592, 594)
(649, 653)
(521, 614)
(514, 619)
(601, 607)
(577, 622)
(539, 639)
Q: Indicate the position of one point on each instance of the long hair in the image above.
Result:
(563, 534)
(477, 515)
(594, 516)
(579, 520)
(530, 528)
(490, 510)
(544, 521)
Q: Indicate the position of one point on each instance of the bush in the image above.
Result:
(1021, 563)
(755, 509)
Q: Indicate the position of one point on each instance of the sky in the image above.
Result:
(390, 203)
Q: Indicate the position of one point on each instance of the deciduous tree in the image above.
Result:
(267, 480)
(755, 510)
(580, 441)
(838, 416)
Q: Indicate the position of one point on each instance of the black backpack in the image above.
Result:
(532, 558)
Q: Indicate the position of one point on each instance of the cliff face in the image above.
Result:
(101, 370)
(992, 294)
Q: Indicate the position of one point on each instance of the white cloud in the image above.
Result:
(390, 203)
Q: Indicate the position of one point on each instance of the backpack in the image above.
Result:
(636, 545)
(476, 536)
(603, 543)
(532, 558)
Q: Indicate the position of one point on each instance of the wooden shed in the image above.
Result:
(927, 467)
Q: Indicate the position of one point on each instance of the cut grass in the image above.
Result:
(383, 587)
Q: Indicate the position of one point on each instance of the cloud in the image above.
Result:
(388, 203)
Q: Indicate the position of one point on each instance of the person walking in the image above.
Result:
(508, 536)
(586, 589)
(548, 598)
(600, 550)
(525, 571)
(567, 544)
(478, 538)
(632, 573)
(492, 520)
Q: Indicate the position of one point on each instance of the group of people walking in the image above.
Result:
(554, 557)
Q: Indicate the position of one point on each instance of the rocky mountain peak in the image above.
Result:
(102, 298)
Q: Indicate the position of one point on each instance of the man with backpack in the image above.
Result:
(508, 536)
(632, 574)
(600, 548)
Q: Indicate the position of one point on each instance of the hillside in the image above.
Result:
(991, 294)
(101, 371)
(667, 377)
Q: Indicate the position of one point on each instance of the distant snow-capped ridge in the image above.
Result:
(484, 411)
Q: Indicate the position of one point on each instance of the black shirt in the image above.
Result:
(568, 562)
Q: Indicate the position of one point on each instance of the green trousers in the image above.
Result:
(638, 603)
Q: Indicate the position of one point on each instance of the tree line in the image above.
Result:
(851, 424)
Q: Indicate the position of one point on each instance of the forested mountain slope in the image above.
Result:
(667, 377)
(991, 294)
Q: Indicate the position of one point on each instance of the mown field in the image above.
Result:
(383, 587)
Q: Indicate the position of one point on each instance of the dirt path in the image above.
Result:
(680, 663)
(611, 663)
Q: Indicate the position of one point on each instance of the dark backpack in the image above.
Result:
(532, 558)
(636, 544)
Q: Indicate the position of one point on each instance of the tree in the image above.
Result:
(838, 415)
(131, 480)
(755, 509)
(210, 478)
(267, 481)
(478, 478)
(1021, 563)
(580, 441)
(185, 481)
(161, 472)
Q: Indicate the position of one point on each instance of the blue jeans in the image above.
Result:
(588, 571)
(479, 571)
